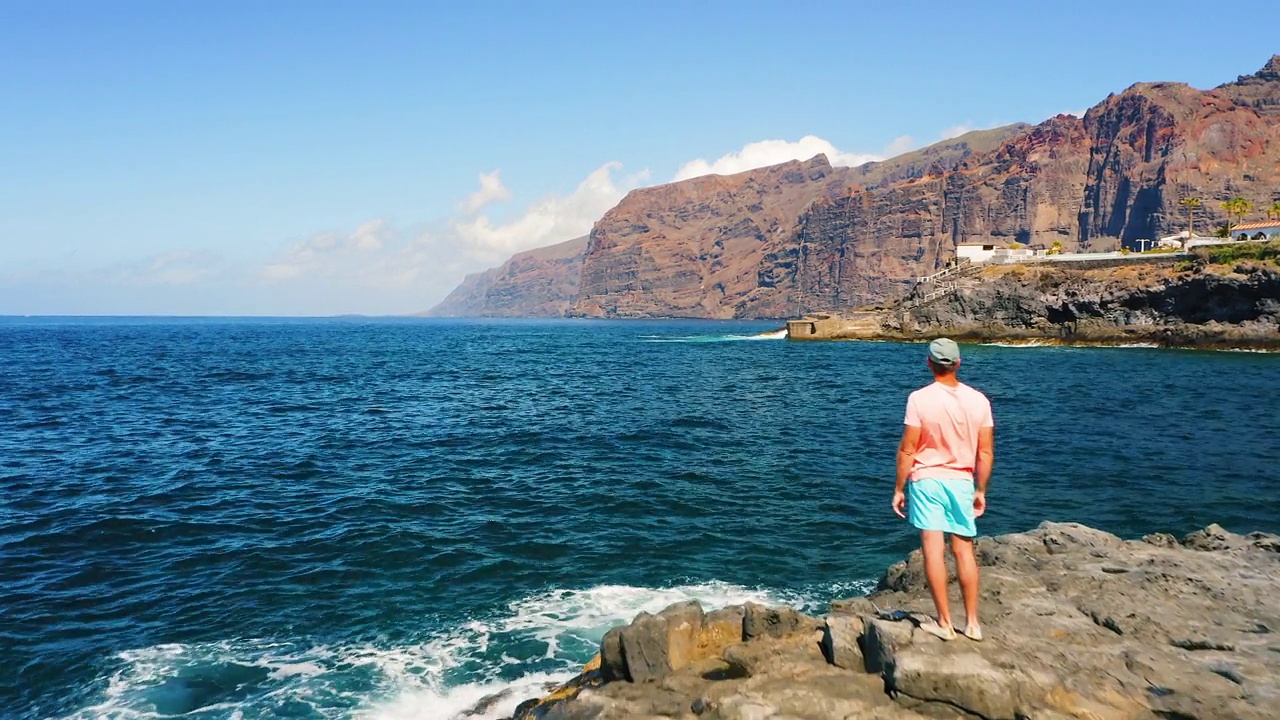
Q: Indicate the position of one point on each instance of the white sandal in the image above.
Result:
(943, 633)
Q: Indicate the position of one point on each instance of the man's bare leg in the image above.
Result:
(967, 572)
(934, 546)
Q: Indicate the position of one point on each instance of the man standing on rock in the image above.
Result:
(944, 464)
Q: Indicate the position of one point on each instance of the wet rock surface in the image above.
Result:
(1078, 623)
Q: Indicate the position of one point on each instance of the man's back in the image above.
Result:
(950, 418)
(947, 452)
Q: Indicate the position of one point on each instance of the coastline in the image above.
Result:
(1079, 624)
(1193, 305)
(1225, 342)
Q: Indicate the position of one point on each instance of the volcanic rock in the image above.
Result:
(1175, 304)
(1079, 624)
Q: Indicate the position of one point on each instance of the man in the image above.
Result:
(946, 454)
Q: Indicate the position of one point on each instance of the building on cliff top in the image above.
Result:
(979, 253)
(1175, 241)
(1253, 231)
(1264, 230)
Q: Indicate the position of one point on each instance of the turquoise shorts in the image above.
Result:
(945, 505)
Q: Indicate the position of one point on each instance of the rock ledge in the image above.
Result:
(1079, 623)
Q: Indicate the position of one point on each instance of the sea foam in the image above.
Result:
(732, 337)
(480, 669)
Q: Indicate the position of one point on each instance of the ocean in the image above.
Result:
(408, 518)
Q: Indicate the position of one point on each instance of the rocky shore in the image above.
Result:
(1079, 624)
(1196, 303)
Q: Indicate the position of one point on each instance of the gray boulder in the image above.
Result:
(760, 621)
(840, 641)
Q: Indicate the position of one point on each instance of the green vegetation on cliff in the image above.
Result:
(1268, 252)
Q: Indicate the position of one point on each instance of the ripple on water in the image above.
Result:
(400, 518)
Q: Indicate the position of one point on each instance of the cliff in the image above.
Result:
(694, 248)
(1222, 297)
(690, 248)
(1078, 624)
(536, 283)
(1114, 176)
(1184, 304)
(803, 237)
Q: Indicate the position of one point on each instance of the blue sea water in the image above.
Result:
(232, 518)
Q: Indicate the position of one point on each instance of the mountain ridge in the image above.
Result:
(803, 235)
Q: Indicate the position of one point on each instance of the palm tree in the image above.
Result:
(1273, 213)
(1191, 204)
(1237, 207)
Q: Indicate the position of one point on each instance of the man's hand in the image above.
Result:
(979, 503)
(900, 503)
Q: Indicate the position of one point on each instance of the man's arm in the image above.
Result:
(906, 458)
(982, 473)
(906, 455)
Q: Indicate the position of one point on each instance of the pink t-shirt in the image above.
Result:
(949, 419)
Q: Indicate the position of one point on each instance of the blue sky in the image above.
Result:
(315, 158)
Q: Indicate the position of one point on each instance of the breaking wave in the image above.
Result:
(770, 335)
(480, 670)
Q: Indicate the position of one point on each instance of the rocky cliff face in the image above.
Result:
(868, 244)
(536, 283)
(804, 237)
(1114, 176)
(1183, 304)
(726, 247)
(692, 248)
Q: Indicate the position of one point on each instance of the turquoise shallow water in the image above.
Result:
(393, 519)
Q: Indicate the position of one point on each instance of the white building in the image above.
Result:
(976, 252)
(1176, 241)
(979, 253)
(1265, 230)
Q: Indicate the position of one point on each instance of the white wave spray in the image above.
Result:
(480, 670)
(770, 335)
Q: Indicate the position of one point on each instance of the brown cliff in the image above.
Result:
(1115, 176)
(535, 283)
(694, 248)
(719, 217)
(715, 246)
(804, 236)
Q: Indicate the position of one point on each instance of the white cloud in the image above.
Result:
(381, 268)
(956, 131)
(377, 267)
(324, 253)
(369, 236)
(550, 220)
(771, 152)
(900, 144)
(491, 190)
(173, 269)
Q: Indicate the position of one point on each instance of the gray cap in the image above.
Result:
(944, 351)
